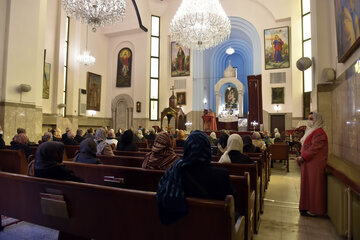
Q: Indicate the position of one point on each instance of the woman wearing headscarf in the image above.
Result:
(180, 139)
(87, 153)
(314, 153)
(192, 176)
(103, 148)
(2, 142)
(162, 154)
(212, 138)
(126, 143)
(48, 163)
(234, 152)
(249, 146)
(257, 141)
(222, 141)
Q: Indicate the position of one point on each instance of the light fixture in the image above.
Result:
(86, 58)
(96, 13)
(230, 50)
(200, 24)
(277, 107)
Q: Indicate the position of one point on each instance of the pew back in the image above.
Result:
(110, 213)
(13, 161)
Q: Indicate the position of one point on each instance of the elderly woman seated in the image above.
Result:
(258, 142)
(249, 146)
(162, 154)
(234, 152)
(103, 148)
(48, 163)
(126, 143)
(277, 138)
(192, 176)
(87, 153)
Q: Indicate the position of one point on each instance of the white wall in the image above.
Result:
(3, 36)
(25, 47)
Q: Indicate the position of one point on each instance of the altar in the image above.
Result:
(232, 125)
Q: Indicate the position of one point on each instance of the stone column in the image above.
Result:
(240, 102)
(218, 103)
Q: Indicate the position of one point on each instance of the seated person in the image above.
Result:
(47, 137)
(222, 141)
(234, 152)
(2, 142)
(127, 142)
(249, 146)
(257, 141)
(152, 134)
(48, 163)
(102, 147)
(79, 136)
(180, 139)
(277, 138)
(162, 154)
(192, 176)
(20, 141)
(70, 138)
(111, 140)
(139, 137)
(87, 153)
(212, 138)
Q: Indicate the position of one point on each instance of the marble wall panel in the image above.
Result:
(345, 108)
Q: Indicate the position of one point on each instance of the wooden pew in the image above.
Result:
(280, 151)
(121, 160)
(100, 212)
(13, 161)
(239, 170)
(70, 150)
(148, 179)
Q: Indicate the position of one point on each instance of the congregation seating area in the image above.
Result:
(121, 175)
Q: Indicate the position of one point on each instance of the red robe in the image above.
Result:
(313, 182)
(212, 122)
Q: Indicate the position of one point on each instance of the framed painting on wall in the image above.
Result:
(123, 75)
(347, 13)
(181, 98)
(93, 89)
(276, 44)
(46, 81)
(278, 95)
(180, 60)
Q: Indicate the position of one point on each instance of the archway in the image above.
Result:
(122, 107)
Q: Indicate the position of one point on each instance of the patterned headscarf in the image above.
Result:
(235, 143)
(171, 199)
(162, 154)
(100, 137)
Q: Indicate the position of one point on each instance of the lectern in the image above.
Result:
(207, 120)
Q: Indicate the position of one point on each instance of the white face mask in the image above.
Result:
(310, 123)
(1, 132)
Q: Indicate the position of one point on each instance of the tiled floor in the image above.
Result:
(281, 219)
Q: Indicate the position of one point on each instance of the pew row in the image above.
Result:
(148, 179)
(100, 212)
(13, 161)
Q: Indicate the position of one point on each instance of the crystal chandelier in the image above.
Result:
(200, 24)
(96, 13)
(86, 58)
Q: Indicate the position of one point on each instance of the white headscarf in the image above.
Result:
(235, 143)
(213, 135)
(318, 123)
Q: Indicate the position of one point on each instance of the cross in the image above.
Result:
(172, 88)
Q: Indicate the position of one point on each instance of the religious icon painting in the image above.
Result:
(123, 75)
(347, 13)
(46, 81)
(180, 60)
(278, 95)
(181, 98)
(231, 97)
(277, 51)
(93, 90)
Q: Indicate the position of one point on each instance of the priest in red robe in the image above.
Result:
(314, 153)
(212, 122)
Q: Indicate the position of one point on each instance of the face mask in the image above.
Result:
(310, 123)
(1, 132)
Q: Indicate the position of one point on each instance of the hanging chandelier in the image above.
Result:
(200, 24)
(96, 13)
(86, 58)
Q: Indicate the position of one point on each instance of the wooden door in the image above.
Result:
(255, 101)
(277, 121)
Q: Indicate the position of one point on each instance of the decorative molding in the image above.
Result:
(22, 105)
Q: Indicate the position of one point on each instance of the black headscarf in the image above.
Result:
(49, 154)
(87, 152)
(248, 145)
(171, 199)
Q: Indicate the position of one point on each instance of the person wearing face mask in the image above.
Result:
(2, 142)
(314, 153)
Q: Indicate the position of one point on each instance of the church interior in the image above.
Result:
(280, 61)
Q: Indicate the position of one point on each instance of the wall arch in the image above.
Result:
(122, 108)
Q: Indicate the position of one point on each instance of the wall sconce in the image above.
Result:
(138, 106)
(23, 88)
(92, 112)
(277, 107)
(205, 102)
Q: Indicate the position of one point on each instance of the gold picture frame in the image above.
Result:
(181, 98)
